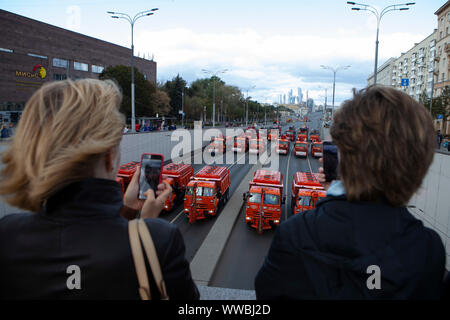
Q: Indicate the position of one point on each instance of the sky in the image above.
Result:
(268, 47)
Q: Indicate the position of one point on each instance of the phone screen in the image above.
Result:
(330, 161)
(150, 175)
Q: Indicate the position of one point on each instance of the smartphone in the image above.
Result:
(151, 173)
(330, 161)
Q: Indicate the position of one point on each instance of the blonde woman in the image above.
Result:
(61, 166)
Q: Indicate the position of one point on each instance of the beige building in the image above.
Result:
(442, 77)
(384, 73)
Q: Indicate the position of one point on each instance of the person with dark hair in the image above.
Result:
(361, 242)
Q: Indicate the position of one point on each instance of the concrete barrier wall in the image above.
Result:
(432, 201)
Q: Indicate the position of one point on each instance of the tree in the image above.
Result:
(149, 100)
(174, 90)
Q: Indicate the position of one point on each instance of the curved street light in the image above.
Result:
(120, 15)
(379, 15)
(214, 74)
(335, 70)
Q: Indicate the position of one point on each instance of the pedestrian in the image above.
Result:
(74, 243)
(4, 132)
(361, 242)
(125, 129)
(439, 138)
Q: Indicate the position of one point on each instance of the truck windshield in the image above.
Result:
(283, 143)
(207, 192)
(300, 145)
(189, 191)
(254, 198)
(317, 146)
(304, 201)
(271, 199)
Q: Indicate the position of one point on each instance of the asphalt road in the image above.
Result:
(245, 251)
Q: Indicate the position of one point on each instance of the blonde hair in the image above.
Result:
(65, 128)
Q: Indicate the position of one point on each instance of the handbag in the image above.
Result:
(138, 231)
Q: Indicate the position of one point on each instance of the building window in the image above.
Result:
(446, 31)
(97, 69)
(61, 63)
(80, 66)
(59, 77)
(443, 76)
(37, 56)
(6, 50)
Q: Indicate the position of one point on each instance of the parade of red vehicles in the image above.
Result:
(208, 190)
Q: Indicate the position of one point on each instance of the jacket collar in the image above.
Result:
(88, 197)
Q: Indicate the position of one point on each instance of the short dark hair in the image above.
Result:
(386, 144)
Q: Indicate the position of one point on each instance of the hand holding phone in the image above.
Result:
(330, 161)
(151, 173)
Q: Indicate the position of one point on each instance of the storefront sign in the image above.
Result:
(38, 72)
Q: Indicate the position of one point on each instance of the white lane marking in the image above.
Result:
(286, 188)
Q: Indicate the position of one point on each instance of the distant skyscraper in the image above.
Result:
(300, 95)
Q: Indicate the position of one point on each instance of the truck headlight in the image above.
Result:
(166, 207)
(276, 221)
(186, 210)
(248, 218)
(211, 211)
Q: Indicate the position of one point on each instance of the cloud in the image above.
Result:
(274, 63)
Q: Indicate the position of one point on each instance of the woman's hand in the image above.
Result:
(151, 207)
(322, 178)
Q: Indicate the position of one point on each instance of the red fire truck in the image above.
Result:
(264, 200)
(208, 189)
(273, 133)
(283, 145)
(302, 137)
(306, 191)
(301, 148)
(126, 172)
(290, 134)
(240, 143)
(314, 137)
(218, 145)
(256, 146)
(178, 176)
(316, 149)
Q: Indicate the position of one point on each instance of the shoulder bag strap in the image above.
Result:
(152, 258)
(139, 262)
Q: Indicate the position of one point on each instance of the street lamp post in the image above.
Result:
(366, 7)
(334, 81)
(119, 15)
(246, 105)
(214, 75)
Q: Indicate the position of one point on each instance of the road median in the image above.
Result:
(208, 255)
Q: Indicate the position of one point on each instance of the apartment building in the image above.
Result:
(416, 65)
(384, 73)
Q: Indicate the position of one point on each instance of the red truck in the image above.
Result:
(273, 133)
(126, 172)
(306, 191)
(302, 137)
(240, 143)
(316, 149)
(217, 145)
(178, 176)
(256, 146)
(283, 145)
(290, 134)
(264, 200)
(314, 137)
(209, 188)
(301, 148)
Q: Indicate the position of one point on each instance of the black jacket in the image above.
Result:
(81, 225)
(324, 254)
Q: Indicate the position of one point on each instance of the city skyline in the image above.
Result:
(261, 45)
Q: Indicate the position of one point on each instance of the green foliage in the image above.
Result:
(149, 100)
